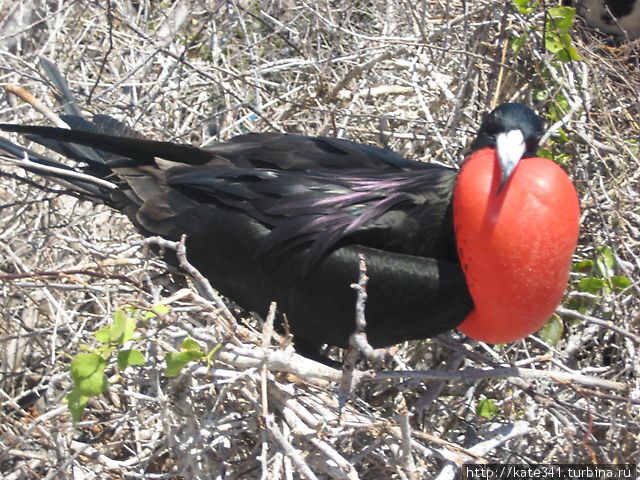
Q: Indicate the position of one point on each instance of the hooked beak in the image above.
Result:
(510, 148)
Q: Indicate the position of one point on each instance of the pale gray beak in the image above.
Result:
(510, 147)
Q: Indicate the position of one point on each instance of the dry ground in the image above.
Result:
(414, 76)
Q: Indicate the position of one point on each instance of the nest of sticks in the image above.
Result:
(415, 77)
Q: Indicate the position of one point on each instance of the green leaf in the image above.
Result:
(563, 159)
(605, 261)
(579, 304)
(583, 266)
(559, 44)
(486, 408)
(559, 158)
(557, 38)
(540, 95)
(161, 309)
(104, 335)
(189, 344)
(157, 310)
(620, 282)
(552, 43)
(561, 18)
(76, 403)
(524, 7)
(127, 358)
(552, 330)
(564, 138)
(517, 43)
(87, 371)
(591, 285)
(573, 54)
(176, 361)
(545, 153)
(123, 327)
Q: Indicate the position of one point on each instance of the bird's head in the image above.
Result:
(514, 130)
(516, 219)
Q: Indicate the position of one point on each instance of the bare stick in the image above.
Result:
(358, 344)
(597, 321)
(181, 254)
(25, 95)
(63, 172)
(472, 374)
(501, 436)
(405, 428)
(289, 449)
(267, 332)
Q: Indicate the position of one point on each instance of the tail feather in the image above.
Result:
(65, 97)
(79, 153)
(110, 126)
(74, 119)
(98, 160)
(101, 124)
(141, 150)
(82, 184)
(116, 164)
(18, 152)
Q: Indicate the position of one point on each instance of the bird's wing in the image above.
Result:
(405, 212)
(304, 153)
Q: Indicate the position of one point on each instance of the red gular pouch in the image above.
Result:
(515, 243)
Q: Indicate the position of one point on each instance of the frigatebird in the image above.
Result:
(616, 17)
(282, 217)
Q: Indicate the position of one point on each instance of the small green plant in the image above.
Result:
(558, 108)
(88, 367)
(558, 23)
(552, 331)
(598, 278)
(189, 350)
(486, 408)
(557, 39)
(525, 7)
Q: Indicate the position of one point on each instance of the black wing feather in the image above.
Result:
(320, 210)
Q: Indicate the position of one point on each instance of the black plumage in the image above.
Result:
(281, 217)
(617, 17)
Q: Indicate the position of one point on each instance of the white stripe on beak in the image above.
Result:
(510, 147)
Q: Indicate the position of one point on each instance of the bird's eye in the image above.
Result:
(532, 145)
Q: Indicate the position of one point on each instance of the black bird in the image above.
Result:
(617, 17)
(272, 216)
